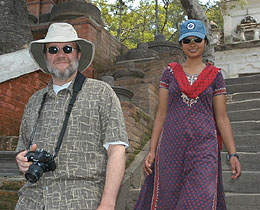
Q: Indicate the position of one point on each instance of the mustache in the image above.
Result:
(61, 60)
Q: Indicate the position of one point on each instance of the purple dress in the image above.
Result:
(187, 170)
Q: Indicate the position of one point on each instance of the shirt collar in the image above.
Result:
(52, 92)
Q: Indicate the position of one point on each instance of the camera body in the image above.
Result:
(42, 161)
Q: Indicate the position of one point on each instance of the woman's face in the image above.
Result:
(193, 46)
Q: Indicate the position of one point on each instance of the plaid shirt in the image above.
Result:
(96, 119)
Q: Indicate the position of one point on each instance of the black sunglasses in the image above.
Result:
(54, 50)
(187, 41)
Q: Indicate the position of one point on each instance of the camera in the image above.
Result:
(42, 161)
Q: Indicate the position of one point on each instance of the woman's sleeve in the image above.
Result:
(164, 82)
(219, 87)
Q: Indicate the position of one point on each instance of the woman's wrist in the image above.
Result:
(232, 155)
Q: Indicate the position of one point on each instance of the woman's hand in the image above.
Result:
(236, 167)
(149, 159)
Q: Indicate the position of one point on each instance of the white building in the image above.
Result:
(240, 53)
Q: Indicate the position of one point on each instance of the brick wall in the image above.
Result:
(8, 192)
(146, 89)
(38, 7)
(107, 48)
(14, 94)
(8, 143)
(139, 129)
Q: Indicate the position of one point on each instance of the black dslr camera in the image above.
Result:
(42, 161)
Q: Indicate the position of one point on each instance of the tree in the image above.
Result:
(142, 23)
(139, 24)
(14, 24)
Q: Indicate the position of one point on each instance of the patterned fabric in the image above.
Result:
(96, 119)
(205, 78)
(187, 169)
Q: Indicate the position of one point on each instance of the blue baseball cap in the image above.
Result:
(192, 28)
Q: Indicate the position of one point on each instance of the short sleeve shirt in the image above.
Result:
(96, 119)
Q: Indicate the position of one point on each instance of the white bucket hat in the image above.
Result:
(62, 32)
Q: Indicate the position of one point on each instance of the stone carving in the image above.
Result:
(161, 44)
(141, 52)
(74, 9)
(248, 19)
(129, 70)
(216, 34)
(248, 29)
(122, 93)
(249, 68)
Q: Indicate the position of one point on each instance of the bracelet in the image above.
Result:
(232, 155)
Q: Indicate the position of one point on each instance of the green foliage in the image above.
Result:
(136, 25)
(214, 14)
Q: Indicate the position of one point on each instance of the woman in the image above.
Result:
(183, 164)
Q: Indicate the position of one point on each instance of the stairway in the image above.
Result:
(243, 106)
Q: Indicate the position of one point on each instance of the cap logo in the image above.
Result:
(190, 26)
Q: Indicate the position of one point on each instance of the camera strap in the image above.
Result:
(79, 80)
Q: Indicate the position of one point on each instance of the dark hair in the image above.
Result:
(206, 40)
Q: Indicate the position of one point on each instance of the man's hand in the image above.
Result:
(22, 162)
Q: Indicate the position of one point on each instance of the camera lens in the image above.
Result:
(34, 173)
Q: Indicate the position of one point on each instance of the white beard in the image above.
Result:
(64, 75)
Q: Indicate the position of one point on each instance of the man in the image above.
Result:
(86, 175)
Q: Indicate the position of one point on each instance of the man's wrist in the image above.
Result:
(232, 155)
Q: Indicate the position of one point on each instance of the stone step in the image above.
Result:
(243, 105)
(243, 201)
(243, 80)
(247, 143)
(249, 161)
(244, 115)
(8, 166)
(244, 96)
(234, 201)
(248, 182)
(238, 88)
(246, 127)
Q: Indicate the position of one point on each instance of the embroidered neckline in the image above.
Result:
(204, 80)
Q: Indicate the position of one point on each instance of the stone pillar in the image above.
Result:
(256, 33)
(33, 7)
(46, 6)
(15, 26)
(123, 94)
(39, 7)
(227, 29)
(242, 35)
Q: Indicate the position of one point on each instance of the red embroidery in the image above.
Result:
(204, 80)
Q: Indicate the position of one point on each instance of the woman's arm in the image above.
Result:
(157, 128)
(225, 129)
